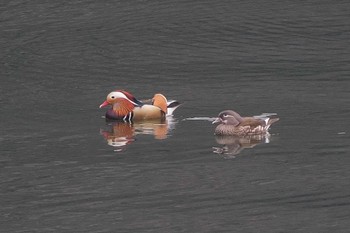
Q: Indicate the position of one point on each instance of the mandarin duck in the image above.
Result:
(125, 107)
(231, 123)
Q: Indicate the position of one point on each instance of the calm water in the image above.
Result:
(64, 169)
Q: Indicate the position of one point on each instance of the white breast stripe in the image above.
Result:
(127, 117)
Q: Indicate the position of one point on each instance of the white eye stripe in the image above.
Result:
(117, 94)
(229, 116)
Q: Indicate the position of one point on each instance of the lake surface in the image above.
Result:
(65, 169)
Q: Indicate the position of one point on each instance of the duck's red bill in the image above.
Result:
(104, 104)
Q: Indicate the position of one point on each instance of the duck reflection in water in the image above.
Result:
(237, 133)
(232, 145)
(121, 134)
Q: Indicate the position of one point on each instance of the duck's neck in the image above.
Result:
(237, 116)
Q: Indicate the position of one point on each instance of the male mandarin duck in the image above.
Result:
(231, 123)
(125, 107)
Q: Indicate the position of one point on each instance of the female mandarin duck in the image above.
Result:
(231, 123)
(125, 107)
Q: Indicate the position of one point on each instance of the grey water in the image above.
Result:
(65, 169)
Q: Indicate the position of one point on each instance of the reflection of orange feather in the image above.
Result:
(121, 134)
(119, 130)
(161, 131)
(122, 130)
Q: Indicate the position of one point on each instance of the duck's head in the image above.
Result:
(119, 97)
(228, 117)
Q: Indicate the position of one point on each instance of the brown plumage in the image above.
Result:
(231, 123)
(233, 144)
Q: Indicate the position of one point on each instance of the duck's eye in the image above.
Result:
(112, 97)
(225, 115)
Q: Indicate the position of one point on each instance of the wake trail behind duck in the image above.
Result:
(199, 119)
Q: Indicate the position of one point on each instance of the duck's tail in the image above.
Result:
(269, 119)
(172, 105)
(168, 107)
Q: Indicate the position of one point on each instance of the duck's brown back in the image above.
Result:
(252, 122)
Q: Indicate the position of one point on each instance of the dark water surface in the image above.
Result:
(59, 60)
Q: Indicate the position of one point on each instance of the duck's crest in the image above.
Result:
(131, 97)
